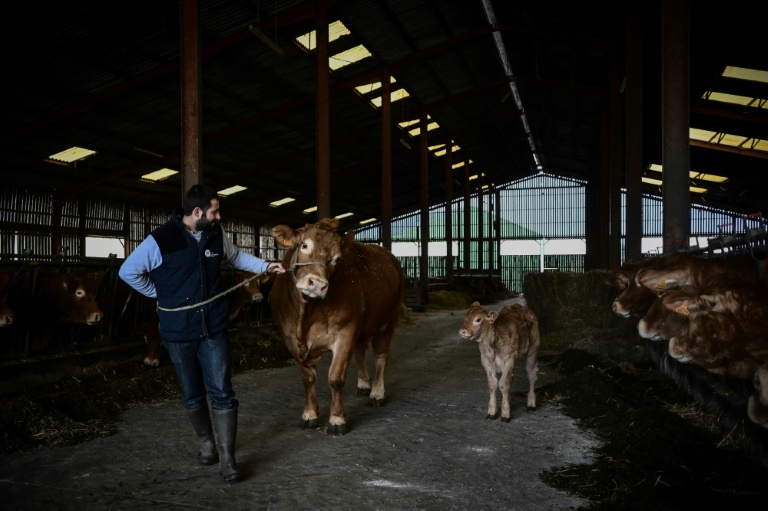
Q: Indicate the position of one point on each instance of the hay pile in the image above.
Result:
(574, 311)
(88, 404)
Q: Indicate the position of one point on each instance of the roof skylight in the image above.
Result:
(72, 154)
(159, 175)
(226, 192)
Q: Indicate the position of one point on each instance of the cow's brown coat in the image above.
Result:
(338, 295)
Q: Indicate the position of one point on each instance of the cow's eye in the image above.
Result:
(80, 293)
(334, 260)
(304, 246)
(478, 319)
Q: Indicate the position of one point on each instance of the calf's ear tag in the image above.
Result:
(683, 309)
(662, 284)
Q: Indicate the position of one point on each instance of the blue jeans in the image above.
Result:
(204, 366)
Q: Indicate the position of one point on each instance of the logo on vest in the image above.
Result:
(208, 253)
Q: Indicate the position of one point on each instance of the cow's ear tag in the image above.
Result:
(683, 309)
(662, 284)
(287, 243)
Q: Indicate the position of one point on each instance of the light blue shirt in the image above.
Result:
(137, 266)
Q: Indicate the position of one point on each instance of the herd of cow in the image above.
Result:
(341, 296)
(47, 299)
(711, 312)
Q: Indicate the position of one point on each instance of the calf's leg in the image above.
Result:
(532, 369)
(490, 375)
(505, 385)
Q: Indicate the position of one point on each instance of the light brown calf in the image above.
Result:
(504, 337)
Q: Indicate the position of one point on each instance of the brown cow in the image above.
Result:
(337, 295)
(702, 272)
(68, 297)
(633, 299)
(661, 323)
(245, 294)
(713, 337)
(7, 316)
(503, 338)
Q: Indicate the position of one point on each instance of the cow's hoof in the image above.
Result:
(363, 392)
(506, 419)
(492, 417)
(336, 429)
(309, 424)
(375, 402)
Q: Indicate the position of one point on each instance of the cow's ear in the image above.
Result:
(475, 304)
(491, 316)
(328, 224)
(284, 235)
(348, 238)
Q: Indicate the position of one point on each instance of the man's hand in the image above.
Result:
(275, 268)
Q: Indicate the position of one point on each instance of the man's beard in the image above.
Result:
(203, 224)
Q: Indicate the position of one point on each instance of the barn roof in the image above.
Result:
(526, 94)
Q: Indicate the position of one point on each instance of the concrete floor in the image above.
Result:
(428, 448)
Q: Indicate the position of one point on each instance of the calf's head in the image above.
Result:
(314, 251)
(476, 322)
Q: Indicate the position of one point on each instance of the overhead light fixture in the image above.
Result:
(461, 164)
(72, 154)
(159, 175)
(281, 202)
(226, 192)
(310, 210)
(343, 215)
(368, 221)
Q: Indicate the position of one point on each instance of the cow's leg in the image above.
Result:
(363, 379)
(309, 417)
(490, 374)
(377, 392)
(505, 386)
(532, 369)
(342, 354)
(380, 344)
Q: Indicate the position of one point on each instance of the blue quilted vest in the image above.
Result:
(189, 274)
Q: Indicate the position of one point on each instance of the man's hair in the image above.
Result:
(198, 196)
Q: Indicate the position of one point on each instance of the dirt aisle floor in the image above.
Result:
(429, 448)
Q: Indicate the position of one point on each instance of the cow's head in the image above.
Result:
(476, 321)
(73, 295)
(313, 253)
(632, 300)
(669, 315)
